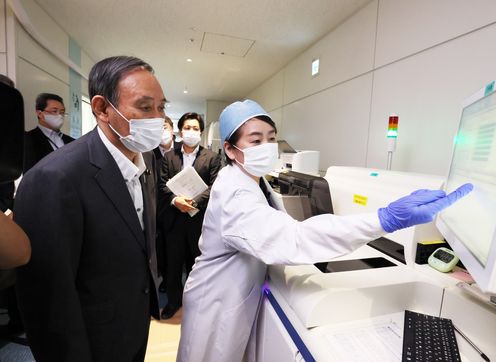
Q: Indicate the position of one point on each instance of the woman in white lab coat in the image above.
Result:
(245, 229)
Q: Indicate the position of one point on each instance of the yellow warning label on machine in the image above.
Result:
(359, 199)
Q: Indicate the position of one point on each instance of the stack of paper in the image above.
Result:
(187, 183)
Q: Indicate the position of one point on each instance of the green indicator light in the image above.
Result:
(375, 174)
(392, 133)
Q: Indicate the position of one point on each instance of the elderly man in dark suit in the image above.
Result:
(46, 137)
(89, 210)
(182, 231)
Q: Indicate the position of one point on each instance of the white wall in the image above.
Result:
(416, 58)
(213, 110)
(36, 69)
(3, 39)
(86, 65)
(7, 41)
(270, 96)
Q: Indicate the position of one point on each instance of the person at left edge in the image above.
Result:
(46, 137)
(89, 210)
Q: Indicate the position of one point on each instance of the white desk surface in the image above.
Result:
(351, 300)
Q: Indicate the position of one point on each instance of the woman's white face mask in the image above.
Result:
(260, 159)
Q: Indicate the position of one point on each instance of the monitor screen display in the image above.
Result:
(472, 220)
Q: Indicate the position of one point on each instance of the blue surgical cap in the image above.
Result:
(236, 114)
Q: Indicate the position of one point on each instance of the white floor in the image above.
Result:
(164, 339)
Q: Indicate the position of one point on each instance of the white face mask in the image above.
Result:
(144, 134)
(191, 138)
(166, 137)
(54, 120)
(260, 159)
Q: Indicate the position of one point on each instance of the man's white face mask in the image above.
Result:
(145, 134)
(260, 159)
(166, 137)
(191, 138)
(54, 120)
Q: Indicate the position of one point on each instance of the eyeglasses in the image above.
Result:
(57, 112)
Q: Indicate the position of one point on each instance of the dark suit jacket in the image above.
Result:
(158, 154)
(87, 293)
(207, 164)
(7, 195)
(158, 161)
(37, 146)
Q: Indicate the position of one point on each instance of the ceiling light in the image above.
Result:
(189, 60)
(167, 105)
(315, 67)
(185, 91)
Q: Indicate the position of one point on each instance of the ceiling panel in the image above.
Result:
(165, 33)
(226, 45)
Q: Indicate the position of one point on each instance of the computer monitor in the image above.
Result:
(469, 225)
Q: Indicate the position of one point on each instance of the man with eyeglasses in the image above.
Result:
(46, 137)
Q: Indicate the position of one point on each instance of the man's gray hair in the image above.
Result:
(106, 74)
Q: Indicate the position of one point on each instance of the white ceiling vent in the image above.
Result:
(226, 45)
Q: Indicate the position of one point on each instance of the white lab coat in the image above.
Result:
(242, 234)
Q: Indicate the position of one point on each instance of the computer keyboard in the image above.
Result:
(429, 338)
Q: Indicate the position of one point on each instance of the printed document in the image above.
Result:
(187, 183)
(377, 340)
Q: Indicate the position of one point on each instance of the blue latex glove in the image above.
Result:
(419, 207)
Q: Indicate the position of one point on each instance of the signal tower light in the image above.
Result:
(392, 135)
(393, 126)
